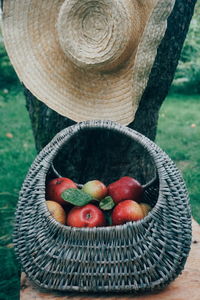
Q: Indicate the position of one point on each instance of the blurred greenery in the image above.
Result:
(178, 134)
(16, 154)
(8, 76)
(187, 77)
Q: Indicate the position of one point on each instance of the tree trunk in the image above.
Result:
(97, 155)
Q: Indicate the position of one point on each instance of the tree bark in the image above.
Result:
(99, 155)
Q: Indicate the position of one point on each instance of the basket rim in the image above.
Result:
(130, 133)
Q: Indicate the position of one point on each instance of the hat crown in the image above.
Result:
(99, 34)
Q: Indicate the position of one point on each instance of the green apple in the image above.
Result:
(146, 208)
(95, 188)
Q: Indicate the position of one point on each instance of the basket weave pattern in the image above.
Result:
(137, 256)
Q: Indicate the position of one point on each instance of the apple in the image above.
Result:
(56, 186)
(126, 211)
(146, 208)
(95, 188)
(86, 216)
(126, 188)
(57, 211)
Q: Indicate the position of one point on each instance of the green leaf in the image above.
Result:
(76, 197)
(107, 203)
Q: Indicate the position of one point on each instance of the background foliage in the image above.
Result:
(187, 77)
(8, 76)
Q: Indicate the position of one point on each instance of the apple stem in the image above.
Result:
(88, 216)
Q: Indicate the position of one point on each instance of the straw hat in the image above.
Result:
(85, 59)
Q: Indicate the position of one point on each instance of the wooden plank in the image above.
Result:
(186, 286)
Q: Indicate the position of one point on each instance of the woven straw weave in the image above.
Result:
(102, 76)
(137, 256)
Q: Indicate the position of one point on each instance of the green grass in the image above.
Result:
(179, 135)
(175, 135)
(16, 154)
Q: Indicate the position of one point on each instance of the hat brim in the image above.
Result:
(31, 40)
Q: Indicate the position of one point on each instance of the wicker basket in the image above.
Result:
(137, 256)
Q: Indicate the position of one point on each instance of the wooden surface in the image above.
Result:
(186, 286)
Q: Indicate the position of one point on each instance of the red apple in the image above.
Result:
(126, 211)
(95, 188)
(56, 186)
(125, 188)
(86, 216)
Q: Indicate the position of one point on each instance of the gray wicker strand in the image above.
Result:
(136, 257)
